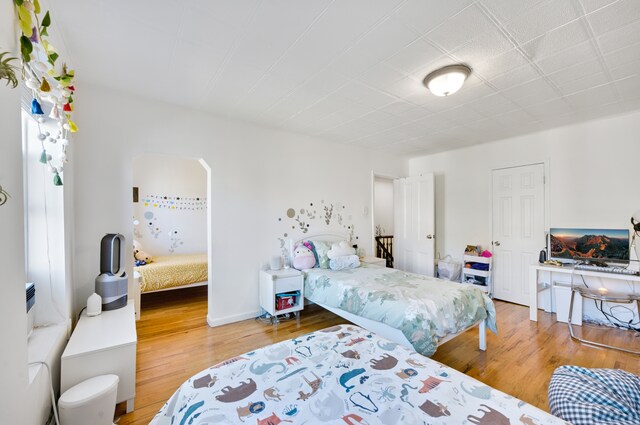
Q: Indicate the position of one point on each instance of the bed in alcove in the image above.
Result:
(173, 272)
(169, 222)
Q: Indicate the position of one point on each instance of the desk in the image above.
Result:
(102, 345)
(535, 287)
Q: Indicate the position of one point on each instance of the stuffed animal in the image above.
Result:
(142, 256)
(303, 257)
(340, 249)
(137, 247)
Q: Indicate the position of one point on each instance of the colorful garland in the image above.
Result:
(40, 68)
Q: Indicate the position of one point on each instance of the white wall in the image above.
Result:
(592, 182)
(383, 204)
(594, 172)
(256, 174)
(13, 354)
(177, 224)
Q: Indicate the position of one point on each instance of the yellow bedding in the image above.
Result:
(173, 271)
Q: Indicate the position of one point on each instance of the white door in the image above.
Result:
(414, 223)
(518, 229)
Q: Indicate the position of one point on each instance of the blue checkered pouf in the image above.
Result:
(595, 396)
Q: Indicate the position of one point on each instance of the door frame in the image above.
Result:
(546, 197)
(375, 174)
(132, 284)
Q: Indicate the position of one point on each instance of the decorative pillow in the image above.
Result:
(322, 248)
(344, 262)
(594, 396)
(339, 249)
(303, 257)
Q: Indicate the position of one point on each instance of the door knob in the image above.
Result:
(496, 243)
(429, 236)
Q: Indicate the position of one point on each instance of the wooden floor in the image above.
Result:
(174, 343)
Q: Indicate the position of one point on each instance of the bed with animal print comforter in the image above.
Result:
(341, 375)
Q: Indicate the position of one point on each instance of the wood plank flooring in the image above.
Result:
(175, 342)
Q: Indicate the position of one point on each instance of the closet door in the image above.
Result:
(414, 235)
(518, 229)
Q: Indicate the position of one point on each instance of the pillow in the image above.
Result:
(594, 396)
(339, 249)
(303, 257)
(344, 262)
(322, 248)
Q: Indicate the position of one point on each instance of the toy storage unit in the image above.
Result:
(287, 300)
(480, 278)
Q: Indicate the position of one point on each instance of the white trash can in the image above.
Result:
(90, 402)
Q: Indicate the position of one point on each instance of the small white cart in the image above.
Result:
(469, 275)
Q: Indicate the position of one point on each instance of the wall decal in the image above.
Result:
(173, 193)
(307, 220)
(328, 213)
(175, 241)
(151, 225)
(136, 231)
(175, 202)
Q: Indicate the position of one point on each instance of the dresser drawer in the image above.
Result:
(287, 284)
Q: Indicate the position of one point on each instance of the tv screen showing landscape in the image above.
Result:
(589, 243)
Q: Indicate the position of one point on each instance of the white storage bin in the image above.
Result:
(562, 296)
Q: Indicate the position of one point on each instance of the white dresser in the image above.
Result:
(101, 345)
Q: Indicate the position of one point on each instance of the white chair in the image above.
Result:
(602, 295)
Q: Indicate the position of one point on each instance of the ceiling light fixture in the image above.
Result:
(447, 80)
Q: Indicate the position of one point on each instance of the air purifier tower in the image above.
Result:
(111, 284)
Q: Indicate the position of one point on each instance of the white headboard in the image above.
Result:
(324, 237)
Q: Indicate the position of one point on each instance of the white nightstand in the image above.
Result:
(274, 282)
(101, 345)
(374, 261)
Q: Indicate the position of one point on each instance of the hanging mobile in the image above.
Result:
(4, 195)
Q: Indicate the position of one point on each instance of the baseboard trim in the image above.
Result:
(231, 319)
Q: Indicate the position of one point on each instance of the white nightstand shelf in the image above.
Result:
(276, 282)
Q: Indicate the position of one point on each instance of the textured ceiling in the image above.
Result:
(350, 71)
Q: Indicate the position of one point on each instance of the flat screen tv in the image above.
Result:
(565, 244)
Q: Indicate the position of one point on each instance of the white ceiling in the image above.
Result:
(350, 71)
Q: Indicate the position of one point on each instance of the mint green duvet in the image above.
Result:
(424, 308)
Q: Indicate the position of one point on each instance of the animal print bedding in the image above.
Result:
(341, 375)
(424, 308)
